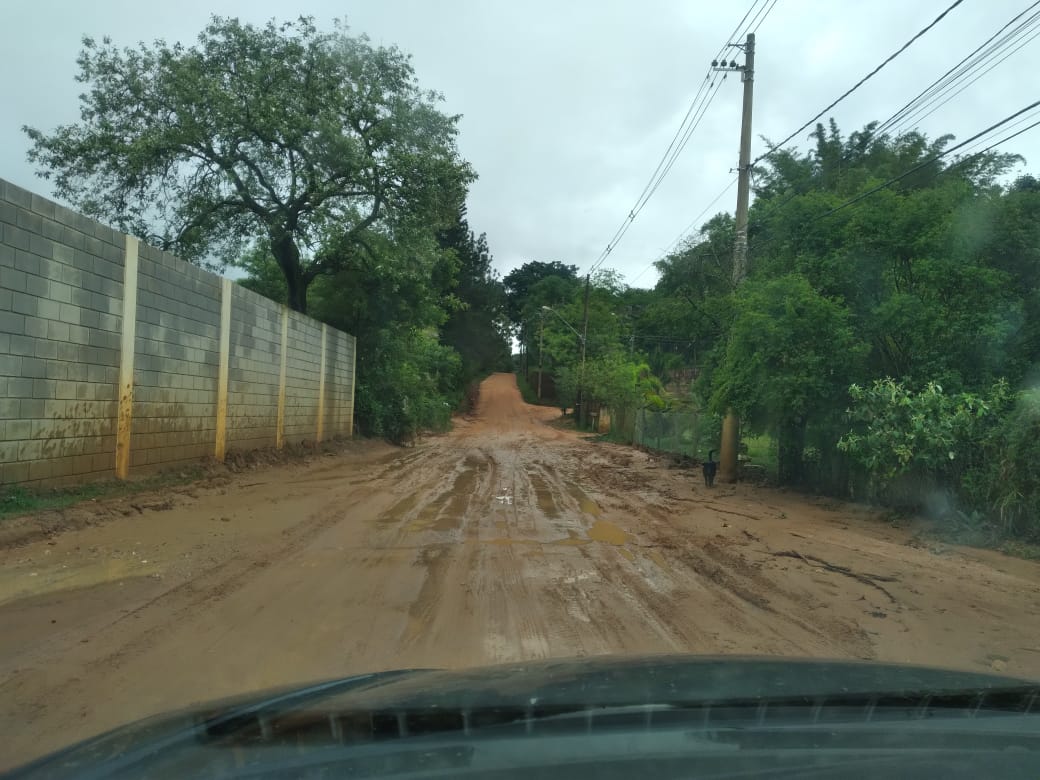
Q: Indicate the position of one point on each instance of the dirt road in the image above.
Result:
(507, 539)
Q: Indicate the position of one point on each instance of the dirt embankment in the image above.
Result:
(506, 539)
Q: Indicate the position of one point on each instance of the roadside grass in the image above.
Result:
(528, 393)
(1018, 549)
(959, 530)
(762, 452)
(17, 500)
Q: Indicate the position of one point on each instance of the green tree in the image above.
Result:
(520, 281)
(477, 327)
(789, 356)
(284, 134)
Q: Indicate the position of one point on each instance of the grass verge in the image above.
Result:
(762, 451)
(17, 500)
(528, 393)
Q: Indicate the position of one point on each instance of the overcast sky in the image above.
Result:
(567, 106)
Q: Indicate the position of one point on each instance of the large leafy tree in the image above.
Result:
(790, 355)
(477, 325)
(283, 133)
(520, 281)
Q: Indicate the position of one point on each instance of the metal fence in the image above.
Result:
(675, 432)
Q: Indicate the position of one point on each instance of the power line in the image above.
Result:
(924, 94)
(931, 160)
(989, 49)
(1022, 120)
(861, 82)
(686, 138)
(753, 25)
(647, 194)
(767, 12)
(917, 116)
(685, 231)
(1008, 120)
(735, 35)
(692, 119)
(675, 138)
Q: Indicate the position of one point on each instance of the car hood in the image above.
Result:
(368, 708)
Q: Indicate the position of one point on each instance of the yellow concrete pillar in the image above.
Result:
(320, 428)
(222, 373)
(125, 413)
(353, 384)
(280, 430)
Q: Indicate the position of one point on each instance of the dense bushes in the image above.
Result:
(1006, 485)
(407, 382)
(969, 458)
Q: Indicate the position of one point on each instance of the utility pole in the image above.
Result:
(730, 443)
(582, 416)
(541, 330)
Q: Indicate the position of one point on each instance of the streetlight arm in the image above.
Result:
(549, 308)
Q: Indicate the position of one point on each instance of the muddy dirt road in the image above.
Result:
(507, 539)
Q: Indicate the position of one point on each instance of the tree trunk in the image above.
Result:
(287, 254)
(790, 451)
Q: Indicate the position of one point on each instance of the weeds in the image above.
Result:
(17, 500)
(528, 393)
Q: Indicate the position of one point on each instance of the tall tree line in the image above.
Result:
(890, 347)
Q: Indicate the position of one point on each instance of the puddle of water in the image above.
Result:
(503, 541)
(656, 557)
(543, 492)
(461, 493)
(445, 511)
(604, 531)
(402, 507)
(21, 584)
(570, 542)
(627, 553)
(588, 506)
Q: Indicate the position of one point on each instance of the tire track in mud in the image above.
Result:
(502, 597)
(597, 601)
(748, 596)
(697, 564)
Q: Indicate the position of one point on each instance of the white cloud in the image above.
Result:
(568, 106)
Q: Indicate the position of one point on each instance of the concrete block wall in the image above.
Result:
(176, 359)
(302, 377)
(256, 334)
(64, 342)
(60, 318)
(339, 382)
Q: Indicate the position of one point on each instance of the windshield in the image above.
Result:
(449, 335)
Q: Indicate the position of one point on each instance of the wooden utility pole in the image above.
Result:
(730, 444)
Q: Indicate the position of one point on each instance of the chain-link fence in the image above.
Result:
(676, 432)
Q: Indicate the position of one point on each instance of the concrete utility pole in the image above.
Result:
(541, 330)
(582, 415)
(730, 443)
